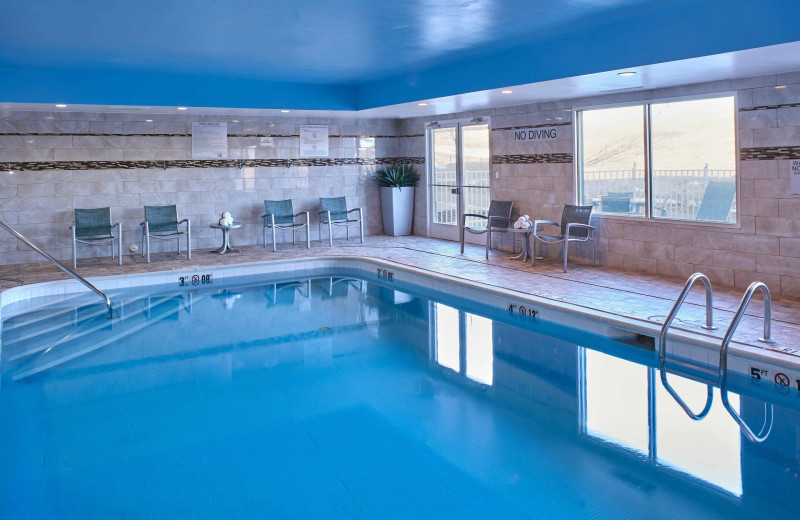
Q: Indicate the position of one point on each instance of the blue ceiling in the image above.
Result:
(351, 54)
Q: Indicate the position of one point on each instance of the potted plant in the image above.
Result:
(397, 182)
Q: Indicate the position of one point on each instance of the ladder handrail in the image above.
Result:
(723, 360)
(662, 342)
(60, 266)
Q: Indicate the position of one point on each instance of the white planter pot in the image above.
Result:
(397, 205)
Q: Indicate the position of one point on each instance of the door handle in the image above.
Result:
(454, 191)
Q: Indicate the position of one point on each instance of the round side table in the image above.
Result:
(226, 231)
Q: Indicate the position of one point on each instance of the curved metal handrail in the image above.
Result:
(662, 342)
(766, 429)
(60, 266)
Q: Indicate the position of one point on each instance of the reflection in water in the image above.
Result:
(448, 337)
(616, 400)
(461, 336)
(480, 352)
(708, 449)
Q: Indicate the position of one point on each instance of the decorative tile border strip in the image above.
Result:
(769, 107)
(769, 153)
(87, 134)
(563, 123)
(189, 163)
(538, 158)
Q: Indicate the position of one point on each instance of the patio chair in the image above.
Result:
(161, 222)
(574, 227)
(612, 204)
(335, 213)
(497, 220)
(717, 201)
(94, 227)
(281, 215)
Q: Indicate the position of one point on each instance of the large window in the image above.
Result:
(665, 160)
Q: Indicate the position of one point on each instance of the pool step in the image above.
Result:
(54, 354)
(49, 326)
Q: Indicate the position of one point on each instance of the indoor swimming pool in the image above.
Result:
(363, 397)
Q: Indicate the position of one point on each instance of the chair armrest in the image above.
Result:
(475, 215)
(536, 223)
(354, 209)
(577, 225)
(321, 212)
(492, 219)
(187, 222)
(117, 225)
(298, 214)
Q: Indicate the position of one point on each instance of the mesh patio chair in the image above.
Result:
(717, 201)
(94, 227)
(574, 227)
(335, 213)
(497, 220)
(611, 204)
(161, 222)
(280, 215)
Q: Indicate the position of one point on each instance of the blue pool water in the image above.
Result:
(343, 398)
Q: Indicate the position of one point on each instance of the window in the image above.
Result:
(663, 160)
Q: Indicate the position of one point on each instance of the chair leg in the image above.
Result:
(188, 240)
(361, 224)
(293, 231)
(74, 252)
(488, 242)
(119, 248)
(264, 229)
(566, 250)
(462, 240)
(347, 228)
(533, 251)
(592, 239)
(330, 233)
(274, 240)
(147, 233)
(142, 247)
(308, 234)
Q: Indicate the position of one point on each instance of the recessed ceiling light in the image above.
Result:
(506, 91)
(235, 120)
(61, 105)
(148, 120)
(625, 74)
(284, 111)
(182, 108)
(780, 86)
(422, 104)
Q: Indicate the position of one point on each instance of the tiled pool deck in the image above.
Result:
(630, 295)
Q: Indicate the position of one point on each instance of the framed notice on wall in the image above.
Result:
(313, 141)
(209, 140)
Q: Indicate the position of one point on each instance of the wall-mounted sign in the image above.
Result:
(794, 174)
(313, 141)
(545, 133)
(209, 140)
(267, 141)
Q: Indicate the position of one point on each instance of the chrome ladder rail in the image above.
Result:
(662, 342)
(766, 429)
(60, 266)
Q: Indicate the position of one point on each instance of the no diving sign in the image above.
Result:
(794, 174)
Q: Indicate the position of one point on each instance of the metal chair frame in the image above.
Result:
(269, 221)
(326, 217)
(567, 235)
(167, 234)
(95, 239)
(494, 223)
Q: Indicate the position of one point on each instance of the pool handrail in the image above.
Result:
(61, 266)
(662, 343)
(766, 429)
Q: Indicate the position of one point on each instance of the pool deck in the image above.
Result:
(627, 294)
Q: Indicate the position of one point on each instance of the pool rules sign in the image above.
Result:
(794, 174)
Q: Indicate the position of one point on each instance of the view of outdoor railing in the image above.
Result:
(476, 196)
(675, 193)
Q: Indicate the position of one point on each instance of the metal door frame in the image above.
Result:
(450, 232)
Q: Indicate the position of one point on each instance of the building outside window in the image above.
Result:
(659, 159)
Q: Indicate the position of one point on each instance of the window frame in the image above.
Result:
(646, 104)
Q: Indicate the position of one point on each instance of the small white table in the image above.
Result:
(226, 230)
(526, 241)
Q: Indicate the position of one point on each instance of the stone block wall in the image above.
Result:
(54, 162)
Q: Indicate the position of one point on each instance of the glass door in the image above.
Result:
(459, 178)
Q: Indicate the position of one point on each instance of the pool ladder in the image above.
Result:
(723, 354)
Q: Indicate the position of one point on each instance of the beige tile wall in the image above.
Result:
(40, 203)
(766, 244)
